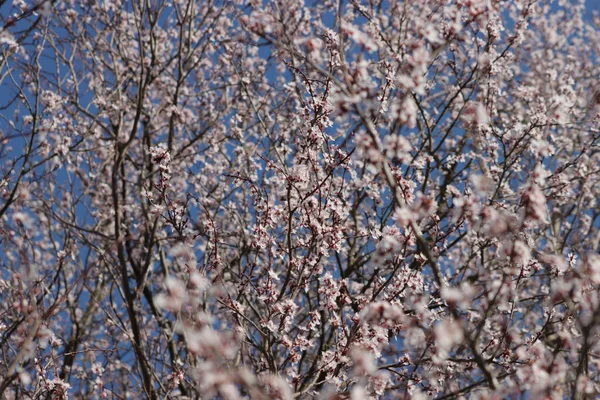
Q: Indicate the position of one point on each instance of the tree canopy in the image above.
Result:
(279, 199)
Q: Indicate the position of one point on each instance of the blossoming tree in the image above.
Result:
(285, 199)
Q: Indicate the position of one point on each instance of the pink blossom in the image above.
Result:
(534, 201)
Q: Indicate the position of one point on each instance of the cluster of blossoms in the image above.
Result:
(162, 159)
